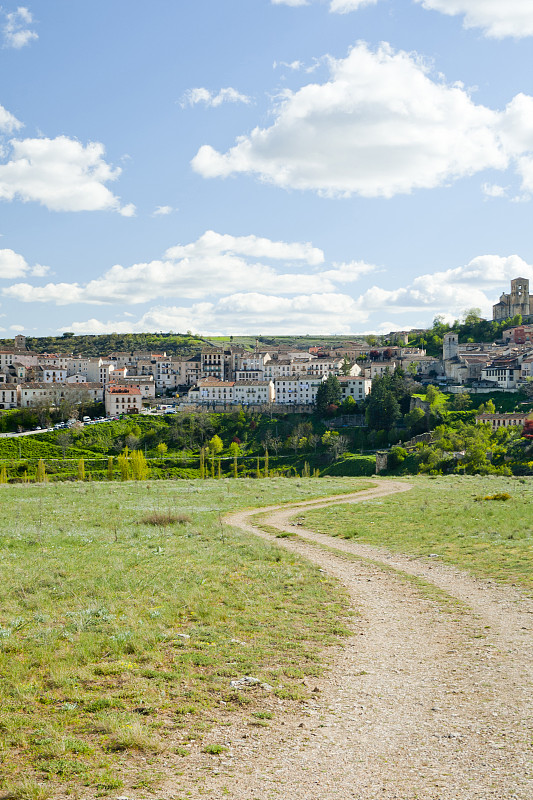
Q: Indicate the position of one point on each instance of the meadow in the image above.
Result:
(127, 608)
(481, 524)
(125, 611)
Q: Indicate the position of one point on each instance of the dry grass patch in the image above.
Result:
(162, 519)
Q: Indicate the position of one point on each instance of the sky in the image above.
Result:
(262, 166)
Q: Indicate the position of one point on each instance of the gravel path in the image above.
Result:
(429, 699)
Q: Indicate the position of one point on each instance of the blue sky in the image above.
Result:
(262, 166)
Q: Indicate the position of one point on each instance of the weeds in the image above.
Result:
(163, 519)
(96, 628)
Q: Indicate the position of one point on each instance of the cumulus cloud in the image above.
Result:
(8, 123)
(239, 313)
(493, 190)
(290, 2)
(381, 125)
(498, 18)
(13, 265)
(61, 174)
(211, 99)
(212, 243)
(162, 211)
(476, 284)
(214, 265)
(345, 6)
(15, 31)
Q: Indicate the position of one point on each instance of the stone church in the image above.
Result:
(518, 302)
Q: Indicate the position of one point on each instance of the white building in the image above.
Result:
(145, 383)
(253, 393)
(211, 390)
(504, 373)
(122, 400)
(354, 386)
(8, 395)
(30, 393)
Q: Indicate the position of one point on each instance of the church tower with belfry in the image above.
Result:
(519, 301)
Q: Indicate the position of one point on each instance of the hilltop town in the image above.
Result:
(224, 376)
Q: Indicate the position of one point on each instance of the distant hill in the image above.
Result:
(171, 343)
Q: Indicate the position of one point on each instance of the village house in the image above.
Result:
(504, 372)
(212, 390)
(145, 383)
(504, 420)
(122, 400)
(28, 394)
(8, 395)
(253, 393)
(355, 386)
(48, 373)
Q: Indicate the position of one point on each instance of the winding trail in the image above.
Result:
(429, 699)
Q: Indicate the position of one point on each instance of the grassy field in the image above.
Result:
(482, 524)
(125, 611)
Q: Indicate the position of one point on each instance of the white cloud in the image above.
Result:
(290, 2)
(240, 312)
(498, 18)
(294, 65)
(212, 243)
(348, 273)
(39, 270)
(215, 265)
(61, 174)
(8, 123)
(380, 126)
(17, 328)
(128, 210)
(345, 6)
(211, 99)
(162, 211)
(493, 190)
(16, 32)
(476, 284)
(12, 265)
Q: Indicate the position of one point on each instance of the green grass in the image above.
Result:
(453, 517)
(119, 637)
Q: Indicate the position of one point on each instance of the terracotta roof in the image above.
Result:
(122, 390)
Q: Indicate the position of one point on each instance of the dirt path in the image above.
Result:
(428, 699)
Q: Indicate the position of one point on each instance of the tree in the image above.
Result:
(462, 401)
(139, 466)
(40, 472)
(215, 445)
(132, 441)
(383, 409)
(346, 365)
(161, 449)
(328, 393)
(41, 406)
(416, 421)
(335, 443)
(123, 465)
(202, 462)
(472, 316)
(349, 406)
(64, 440)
